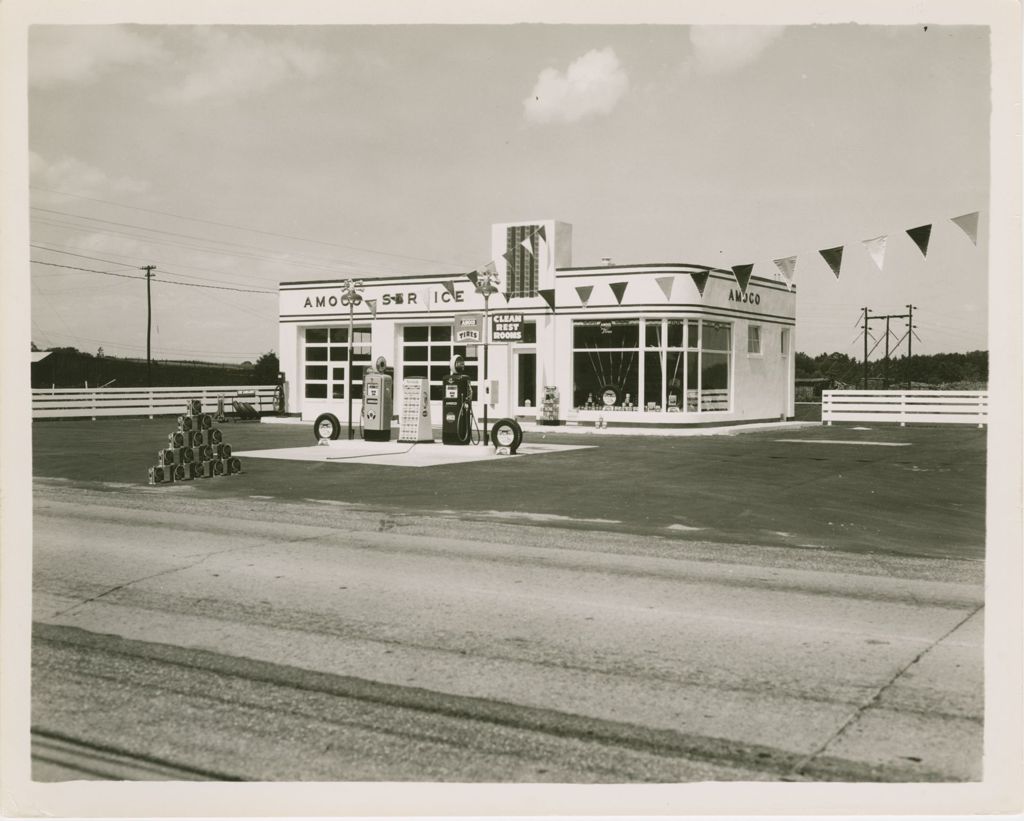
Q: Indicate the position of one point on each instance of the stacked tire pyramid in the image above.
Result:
(196, 450)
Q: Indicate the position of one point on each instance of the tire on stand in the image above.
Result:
(326, 426)
(507, 433)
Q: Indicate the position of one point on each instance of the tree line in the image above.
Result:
(959, 369)
(71, 368)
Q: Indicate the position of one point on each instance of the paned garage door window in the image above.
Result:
(427, 351)
(325, 357)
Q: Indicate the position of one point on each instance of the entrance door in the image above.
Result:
(526, 379)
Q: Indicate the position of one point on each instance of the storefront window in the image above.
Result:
(606, 364)
(685, 362)
(330, 345)
(427, 351)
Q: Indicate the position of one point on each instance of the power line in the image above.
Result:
(328, 265)
(243, 228)
(195, 237)
(59, 250)
(164, 281)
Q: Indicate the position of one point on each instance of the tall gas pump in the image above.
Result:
(378, 402)
(457, 405)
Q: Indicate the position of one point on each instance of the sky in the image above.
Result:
(233, 158)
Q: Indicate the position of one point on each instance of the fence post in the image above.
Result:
(151, 404)
(93, 404)
(826, 407)
(903, 409)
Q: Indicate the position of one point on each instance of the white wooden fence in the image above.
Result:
(935, 407)
(67, 403)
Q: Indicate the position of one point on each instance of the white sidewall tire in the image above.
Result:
(499, 432)
(326, 426)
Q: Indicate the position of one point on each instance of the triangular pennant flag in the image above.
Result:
(742, 274)
(876, 249)
(920, 236)
(548, 295)
(834, 258)
(449, 286)
(473, 276)
(528, 244)
(787, 267)
(700, 279)
(619, 289)
(372, 305)
(490, 268)
(665, 283)
(969, 225)
(584, 292)
(541, 234)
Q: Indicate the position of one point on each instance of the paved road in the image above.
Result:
(254, 640)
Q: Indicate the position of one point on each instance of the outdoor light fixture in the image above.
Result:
(486, 284)
(350, 293)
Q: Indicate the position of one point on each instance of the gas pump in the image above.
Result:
(378, 402)
(457, 405)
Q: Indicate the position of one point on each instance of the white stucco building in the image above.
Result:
(641, 344)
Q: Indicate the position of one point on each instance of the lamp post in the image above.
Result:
(350, 291)
(486, 284)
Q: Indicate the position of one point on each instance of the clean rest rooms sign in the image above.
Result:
(507, 328)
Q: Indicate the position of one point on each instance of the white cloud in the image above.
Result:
(80, 54)
(76, 177)
(721, 49)
(236, 63)
(592, 85)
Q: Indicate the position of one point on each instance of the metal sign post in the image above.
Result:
(350, 291)
(486, 284)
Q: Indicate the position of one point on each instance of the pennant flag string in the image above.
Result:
(665, 283)
(742, 274)
(787, 267)
(700, 280)
(619, 289)
(920, 235)
(584, 292)
(876, 250)
(834, 258)
(968, 223)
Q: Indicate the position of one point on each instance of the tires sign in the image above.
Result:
(468, 330)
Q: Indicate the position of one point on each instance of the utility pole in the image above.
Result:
(910, 340)
(909, 317)
(885, 367)
(149, 323)
(865, 348)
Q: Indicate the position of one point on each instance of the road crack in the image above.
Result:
(202, 558)
(808, 760)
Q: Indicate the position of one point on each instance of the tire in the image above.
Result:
(507, 433)
(326, 426)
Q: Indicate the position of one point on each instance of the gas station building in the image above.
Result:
(639, 344)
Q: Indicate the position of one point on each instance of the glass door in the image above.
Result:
(526, 379)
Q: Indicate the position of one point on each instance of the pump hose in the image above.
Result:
(473, 424)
